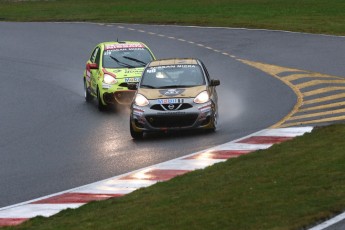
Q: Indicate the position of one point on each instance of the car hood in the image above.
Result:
(126, 72)
(171, 92)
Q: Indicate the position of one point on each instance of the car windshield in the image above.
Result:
(126, 56)
(172, 76)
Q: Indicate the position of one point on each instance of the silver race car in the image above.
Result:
(174, 94)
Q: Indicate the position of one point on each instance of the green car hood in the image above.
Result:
(126, 72)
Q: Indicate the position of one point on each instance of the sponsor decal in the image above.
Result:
(106, 86)
(171, 92)
(132, 79)
(170, 101)
(138, 112)
(162, 67)
(151, 70)
(205, 108)
(123, 46)
(154, 68)
(136, 70)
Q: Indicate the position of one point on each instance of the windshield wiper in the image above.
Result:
(148, 86)
(136, 60)
(122, 63)
(175, 86)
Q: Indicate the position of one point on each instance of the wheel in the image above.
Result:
(135, 135)
(87, 95)
(100, 105)
(215, 120)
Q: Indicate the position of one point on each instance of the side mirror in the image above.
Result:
(132, 86)
(92, 66)
(214, 82)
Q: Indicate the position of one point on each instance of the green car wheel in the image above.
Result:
(100, 105)
(88, 96)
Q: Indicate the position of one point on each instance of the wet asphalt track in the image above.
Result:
(51, 140)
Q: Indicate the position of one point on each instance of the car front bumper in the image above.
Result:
(120, 97)
(156, 117)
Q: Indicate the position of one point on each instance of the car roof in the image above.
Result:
(120, 42)
(174, 61)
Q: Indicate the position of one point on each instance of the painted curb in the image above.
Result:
(123, 184)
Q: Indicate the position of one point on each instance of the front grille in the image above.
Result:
(172, 121)
(124, 84)
(164, 107)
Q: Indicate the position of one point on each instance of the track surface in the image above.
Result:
(51, 140)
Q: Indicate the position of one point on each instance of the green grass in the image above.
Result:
(289, 186)
(315, 16)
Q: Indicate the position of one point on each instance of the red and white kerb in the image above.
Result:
(121, 185)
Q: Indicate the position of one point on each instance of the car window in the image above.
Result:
(173, 76)
(206, 72)
(126, 57)
(98, 55)
(95, 55)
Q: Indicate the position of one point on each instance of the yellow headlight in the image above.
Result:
(140, 100)
(202, 97)
(108, 79)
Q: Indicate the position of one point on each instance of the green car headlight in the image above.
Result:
(108, 79)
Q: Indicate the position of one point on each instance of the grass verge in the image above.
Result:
(289, 186)
(315, 16)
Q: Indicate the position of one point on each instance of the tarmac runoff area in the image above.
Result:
(126, 183)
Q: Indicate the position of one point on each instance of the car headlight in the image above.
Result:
(108, 79)
(140, 100)
(202, 97)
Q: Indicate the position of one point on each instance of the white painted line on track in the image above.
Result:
(330, 222)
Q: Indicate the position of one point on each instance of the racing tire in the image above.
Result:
(215, 121)
(100, 105)
(135, 135)
(88, 96)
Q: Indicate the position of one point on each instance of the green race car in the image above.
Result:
(111, 67)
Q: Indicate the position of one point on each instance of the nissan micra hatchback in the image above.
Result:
(174, 94)
(112, 65)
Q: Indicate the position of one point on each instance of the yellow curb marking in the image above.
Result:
(339, 118)
(323, 90)
(317, 114)
(319, 82)
(312, 80)
(327, 106)
(323, 99)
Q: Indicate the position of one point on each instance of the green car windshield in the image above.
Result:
(126, 57)
(172, 76)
